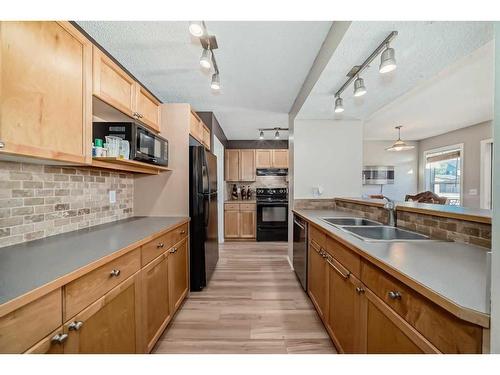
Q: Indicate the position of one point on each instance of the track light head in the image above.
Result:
(205, 62)
(359, 87)
(339, 105)
(277, 134)
(196, 28)
(215, 84)
(387, 60)
(261, 135)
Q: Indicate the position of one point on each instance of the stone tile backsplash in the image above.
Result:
(38, 201)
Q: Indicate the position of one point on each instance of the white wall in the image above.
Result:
(405, 168)
(218, 150)
(329, 154)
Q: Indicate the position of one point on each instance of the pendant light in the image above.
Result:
(339, 105)
(359, 87)
(399, 145)
(215, 85)
(205, 59)
(196, 28)
(387, 60)
(261, 135)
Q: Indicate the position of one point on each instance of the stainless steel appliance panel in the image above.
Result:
(300, 250)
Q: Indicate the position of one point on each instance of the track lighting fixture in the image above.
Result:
(387, 64)
(387, 60)
(196, 28)
(359, 87)
(277, 134)
(339, 105)
(399, 145)
(275, 130)
(215, 85)
(261, 135)
(205, 59)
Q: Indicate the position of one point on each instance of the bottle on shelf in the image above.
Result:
(243, 193)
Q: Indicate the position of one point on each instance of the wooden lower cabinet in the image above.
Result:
(240, 221)
(178, 275)
(155, 299)
(52, 344)
(231, 224)
(346, 305)
(318, 279)
(110, 325)
(248, 224)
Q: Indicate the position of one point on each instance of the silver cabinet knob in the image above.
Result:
(2, 145)
(359, 290)
(60, 338)
(161, 245)
(75, 326)
(183, 232)
(114, 273)
(173, 250)
(394, 294)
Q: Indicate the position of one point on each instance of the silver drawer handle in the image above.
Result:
(60, 338)
(2, 145)
(183, 231)
(173, 250)
(115, 273)
(161, 245)
(394, 295)
(75, 326)
(359, 290)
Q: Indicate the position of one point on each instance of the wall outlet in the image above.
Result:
(112, 196)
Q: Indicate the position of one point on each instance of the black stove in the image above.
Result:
(272, 214)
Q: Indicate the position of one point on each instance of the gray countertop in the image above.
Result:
(456, 271)
(30, 265)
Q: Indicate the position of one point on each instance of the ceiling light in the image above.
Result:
(387, 60)
(196, 28)
(359, 87)
(277, 134)
(399, 145)
(261, 135)
(339, 105)
(215, 85)
(205, 59)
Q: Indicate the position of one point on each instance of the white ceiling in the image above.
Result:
(262, 66)
(433, 58)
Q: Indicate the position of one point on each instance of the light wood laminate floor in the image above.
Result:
(253, 304)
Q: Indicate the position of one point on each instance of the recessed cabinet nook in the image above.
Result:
(85, 82)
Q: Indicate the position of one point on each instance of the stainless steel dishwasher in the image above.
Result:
(300, 249)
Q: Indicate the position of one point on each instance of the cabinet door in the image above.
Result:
(344, 308)
(247, 165)
(178, 275)
(46, 91)
(110, 325)
(112, 85)
(148, 108)
(231, 224)
(248, 226)
(196, 128)
(52, 344)
(383, 336)
(155, 299)
(318, 279)
(280, 159)
(206, 137)
(232, 165)
(263, 158)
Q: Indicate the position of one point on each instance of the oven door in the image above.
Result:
(272, 214)
(150, 148)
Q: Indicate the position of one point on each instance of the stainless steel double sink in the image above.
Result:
(373, 231)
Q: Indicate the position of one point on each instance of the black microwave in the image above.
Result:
(145, 145)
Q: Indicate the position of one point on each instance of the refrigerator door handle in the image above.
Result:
(207, 209)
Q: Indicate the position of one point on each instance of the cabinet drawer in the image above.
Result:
(162, 243)
(232, 206)
(317, 236)
(24, 327)
(88, 288)
(343, 255)
(247, 206)
(445, 331)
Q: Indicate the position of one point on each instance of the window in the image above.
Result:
(443, 172)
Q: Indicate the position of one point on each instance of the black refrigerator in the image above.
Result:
(204, 239)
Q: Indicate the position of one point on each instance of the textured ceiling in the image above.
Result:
(262, 66)
(424, 51)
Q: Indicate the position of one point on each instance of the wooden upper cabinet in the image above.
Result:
(46, 91)
(112, 85)
(178, 275)
(206, 138)
(147, 108)
(247, 165)
(110, 325)
(196, 127)
(263, 158)
(232, 165)
(280, 158)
